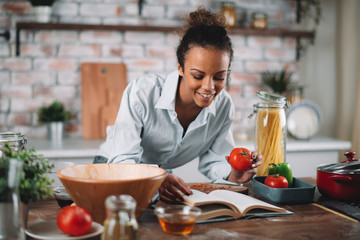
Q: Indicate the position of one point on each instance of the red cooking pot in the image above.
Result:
(340, 181)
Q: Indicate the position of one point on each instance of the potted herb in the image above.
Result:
(34, 181)
(54, 117)
(42, 9)
(277, 81)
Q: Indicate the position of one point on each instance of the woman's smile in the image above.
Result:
(206, 97)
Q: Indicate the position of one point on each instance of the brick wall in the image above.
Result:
(48, 67)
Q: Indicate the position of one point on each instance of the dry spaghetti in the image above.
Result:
(270, 127)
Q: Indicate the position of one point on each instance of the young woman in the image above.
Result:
(169, 120)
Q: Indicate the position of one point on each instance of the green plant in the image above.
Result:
(34, 182)
(310, 12)
(311, 9)
(55, 112)
(278, 81)
(42, 2)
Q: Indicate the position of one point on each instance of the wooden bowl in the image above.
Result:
(89, 185)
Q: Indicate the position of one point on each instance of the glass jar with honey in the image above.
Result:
(259, 21)
(229, 11)
(270, 129)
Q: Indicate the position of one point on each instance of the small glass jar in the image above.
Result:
(270, 129)
(16, 140)
(295, 94)
(259, 21)
(120, 222)
(229, 11)
(11, 217)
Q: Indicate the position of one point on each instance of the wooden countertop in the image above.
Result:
(308, 222)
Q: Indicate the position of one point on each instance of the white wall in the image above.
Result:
(318, 69)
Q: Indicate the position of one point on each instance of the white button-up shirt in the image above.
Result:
(148, 131)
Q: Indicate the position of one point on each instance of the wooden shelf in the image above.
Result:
(74, 26)
(78, 26)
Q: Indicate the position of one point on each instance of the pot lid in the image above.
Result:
(352, 167)
(347, 171)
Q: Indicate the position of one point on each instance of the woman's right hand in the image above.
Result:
(173, 188)
(245, 176)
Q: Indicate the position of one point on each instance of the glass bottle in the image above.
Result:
(229, 11)
(11, 219)
(120, 222)
(270, 129)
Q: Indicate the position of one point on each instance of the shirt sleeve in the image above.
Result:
(213, 163)
(123, 139)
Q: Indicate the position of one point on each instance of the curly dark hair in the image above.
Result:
(206, 29)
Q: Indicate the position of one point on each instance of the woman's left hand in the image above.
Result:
(245, 176)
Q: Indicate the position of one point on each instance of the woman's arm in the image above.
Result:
(213, 163)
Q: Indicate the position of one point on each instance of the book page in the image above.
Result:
(244, 202)
(199, 198)
(216, 211)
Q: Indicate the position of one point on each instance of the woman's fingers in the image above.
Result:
(173, 189)
(169, 197)
(182, 186)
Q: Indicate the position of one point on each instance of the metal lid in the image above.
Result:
(270, 97)
(257, 15)
(10, 136)
(342, 168)
(120, 202)
(269, 100)
(227, 4)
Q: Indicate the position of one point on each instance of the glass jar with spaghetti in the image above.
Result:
(270, 129)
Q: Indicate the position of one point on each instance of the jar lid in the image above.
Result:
(10, 136)
(120, 202)
(227, 4)
(257, 15)
(270, 97)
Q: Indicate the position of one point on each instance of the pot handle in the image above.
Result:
(341, 178)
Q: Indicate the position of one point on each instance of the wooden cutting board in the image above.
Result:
(102, 86)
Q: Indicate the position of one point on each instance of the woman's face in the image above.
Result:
(204, 75)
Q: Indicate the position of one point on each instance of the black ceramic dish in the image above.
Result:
(301, 192)
(62, 197)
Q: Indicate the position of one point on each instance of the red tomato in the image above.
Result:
(74, 220)
(240, 159)
(276, 181)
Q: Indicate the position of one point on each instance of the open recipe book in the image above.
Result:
(221, 205)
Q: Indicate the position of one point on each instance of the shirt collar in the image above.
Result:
(168, 94)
